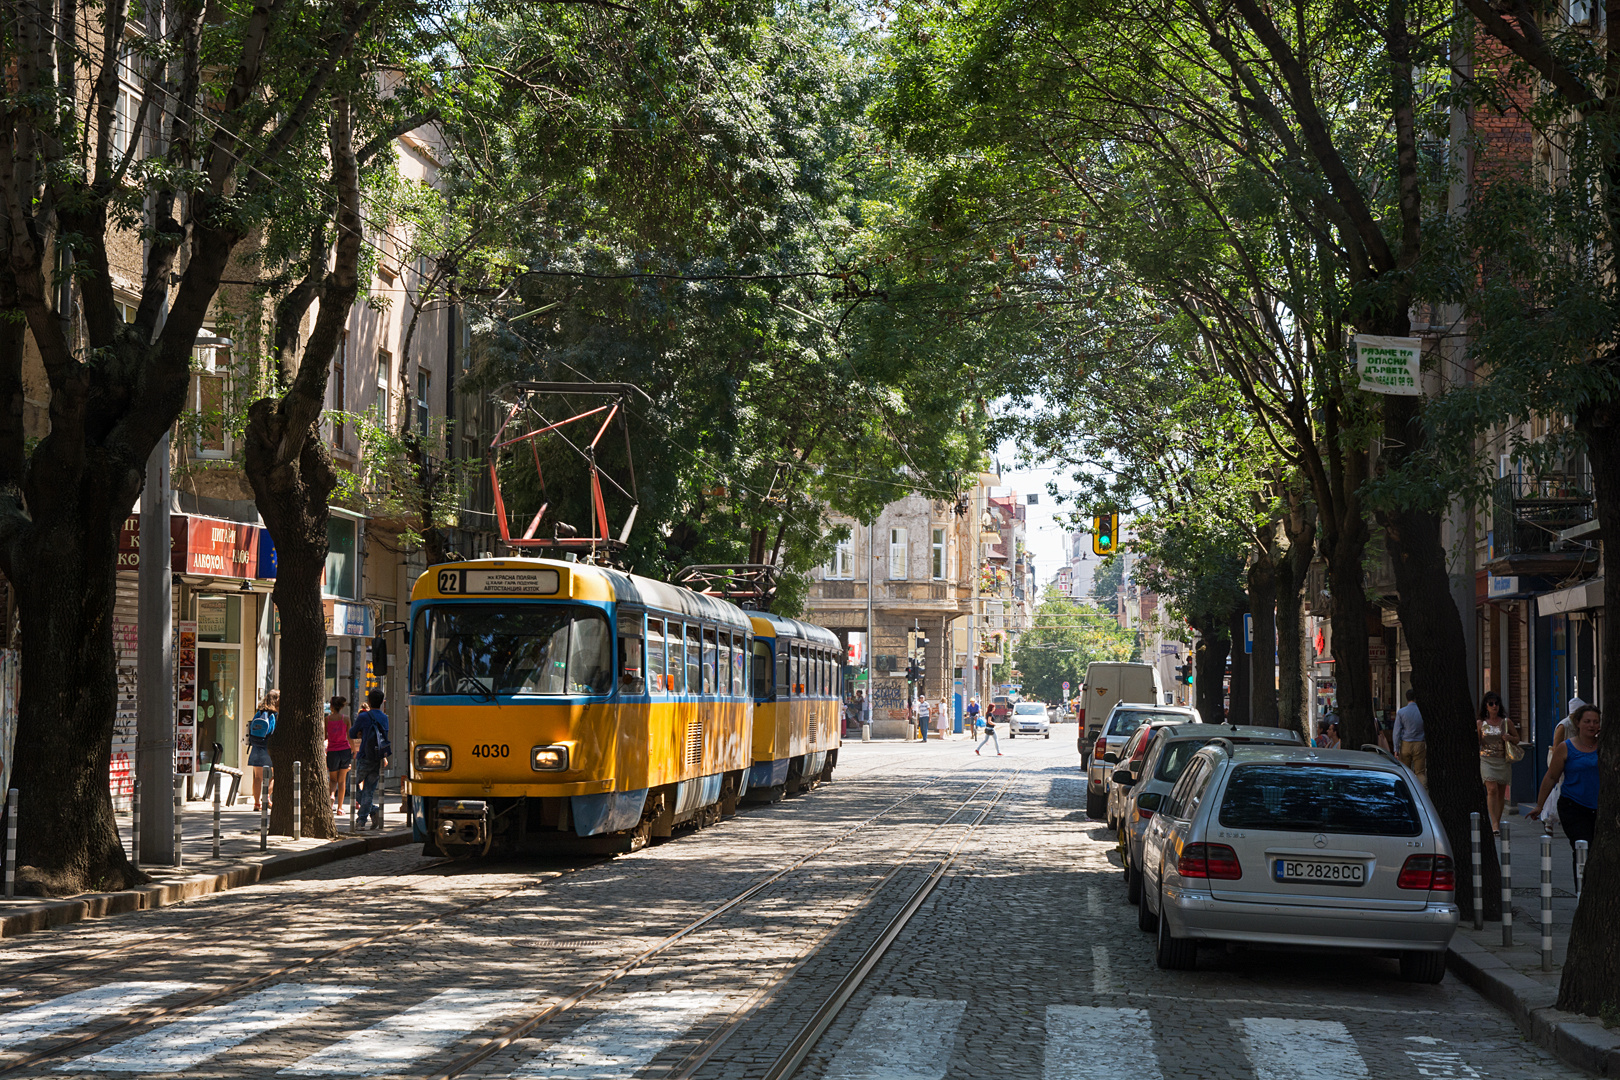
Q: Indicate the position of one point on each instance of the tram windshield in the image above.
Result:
(484, 650)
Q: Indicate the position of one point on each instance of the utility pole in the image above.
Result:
(976, 527)
(154, 658)
(871, 590)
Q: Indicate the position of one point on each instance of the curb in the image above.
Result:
(1576, 1040)
(53, 913)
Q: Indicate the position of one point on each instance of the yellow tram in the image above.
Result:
(559, 705)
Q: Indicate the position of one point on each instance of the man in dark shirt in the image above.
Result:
(369, 739)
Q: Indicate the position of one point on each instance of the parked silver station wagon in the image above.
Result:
(1299, 846)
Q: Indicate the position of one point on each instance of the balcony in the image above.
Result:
(1528, 513)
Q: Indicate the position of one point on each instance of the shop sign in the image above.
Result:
(221, 548)
(1378, 652)
(1501, 586)
(129, 543)
(344, 619)
(1389, 365)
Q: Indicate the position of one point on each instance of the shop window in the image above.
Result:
(340, 558)
(219, 618)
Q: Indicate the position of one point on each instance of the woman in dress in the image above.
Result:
(1495, 732)
(1575, 762)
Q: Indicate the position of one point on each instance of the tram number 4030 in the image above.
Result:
(492, 750)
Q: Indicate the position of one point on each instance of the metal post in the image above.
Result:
(1580, 866)
(354, 801)
(1507, 887)
(135, 826)
(298, 800)
(179, 806)
(264, 810)
(1479, 876)
(11, 843)
(1546, 902)
(870, 706)
(154, 652)
(218, 788)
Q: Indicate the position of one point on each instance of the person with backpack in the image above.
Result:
(368, 738)
(260, 728)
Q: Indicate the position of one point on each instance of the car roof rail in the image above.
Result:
(1374, 748)
(1224, 743)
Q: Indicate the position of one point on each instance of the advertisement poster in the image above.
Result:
(1389, 365)
(185, 695)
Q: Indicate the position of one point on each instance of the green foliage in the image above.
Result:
(1064, 640)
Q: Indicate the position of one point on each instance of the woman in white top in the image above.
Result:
(1496, 732)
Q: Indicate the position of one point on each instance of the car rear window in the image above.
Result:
(1180, 751)
(1319, 798)
(1030, 708)
(1126, 721)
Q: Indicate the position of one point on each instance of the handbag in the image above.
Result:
(1515, 752)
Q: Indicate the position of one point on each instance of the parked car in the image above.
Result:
(1028, 717)
(1165, 760)
(1116, 730)
(1124, 772)
(1109, 682)
(1274, 845)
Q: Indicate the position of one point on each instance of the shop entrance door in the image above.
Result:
(219, 705)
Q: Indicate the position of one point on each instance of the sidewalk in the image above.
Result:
(240, 863)
(1512, 977)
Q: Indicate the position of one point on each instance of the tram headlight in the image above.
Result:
(549, 759)
(432, 758)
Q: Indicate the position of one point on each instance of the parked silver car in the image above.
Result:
(1028, 718)
(1166, 758)
(1299, 846)
(1129, 767)
(1121, 724)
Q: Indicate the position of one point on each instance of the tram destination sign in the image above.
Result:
(488, 582)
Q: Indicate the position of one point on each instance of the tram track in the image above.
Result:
(210, 996)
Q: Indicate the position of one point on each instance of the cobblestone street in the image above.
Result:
(705, 956)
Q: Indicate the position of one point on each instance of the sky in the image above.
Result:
(1046, 538)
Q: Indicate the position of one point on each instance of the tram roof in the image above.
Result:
(782, 626)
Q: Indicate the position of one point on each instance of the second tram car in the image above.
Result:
(566, 706)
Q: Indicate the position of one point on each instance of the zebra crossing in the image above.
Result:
(893, 1037)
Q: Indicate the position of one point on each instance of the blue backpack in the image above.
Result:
(262, 724)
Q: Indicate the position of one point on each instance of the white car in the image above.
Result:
(1029, 717)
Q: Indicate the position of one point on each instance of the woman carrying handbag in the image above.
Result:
(1498, 749)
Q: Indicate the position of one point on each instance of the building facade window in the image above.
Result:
(842, 564)
(339, 384)
(385, 366)
(897, 554)
(340, 558)
(424, 382)
(208, 399)
(936, 566)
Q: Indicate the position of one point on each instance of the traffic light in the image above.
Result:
(1105, 534)
(1184, 673)
(913, 671)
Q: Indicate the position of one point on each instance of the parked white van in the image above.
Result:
(1109, 682)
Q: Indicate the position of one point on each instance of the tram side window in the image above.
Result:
(763, 687)
(798, 669)
(632, 661)
(655, 655)
(784, 671)
(722, 660)
(739, 675)
(694, 660)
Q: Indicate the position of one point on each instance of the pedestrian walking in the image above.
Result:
(922, 717)
(1575, 762)
(339, 755)
(942, 718)
(368, 738)
(989, 736)
(1410, 745)
(1498, 738)
(1564, 730)
(1329, 739)
(260, 728)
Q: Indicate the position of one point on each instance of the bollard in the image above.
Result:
(179, 807)
(11, 843)
(866, 733)
(1546, 902)
(217, 789)
(264, 810)
(354, 801)
(1580, 866)
(1479, 876)
(135, 828)
(298, 800)
(1507, 887)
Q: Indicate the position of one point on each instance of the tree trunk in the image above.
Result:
(1209, 661)
(1591, 981)
(1348, 610)
(1439, 662)
(1238, 710)
(1263, 610)
(1292, 700)
(68, 840)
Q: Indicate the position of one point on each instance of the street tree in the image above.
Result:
(1065, 638)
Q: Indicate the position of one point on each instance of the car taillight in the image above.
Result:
(1080, 715)
(1428, 873)
(1143, 814)
(1100, 748)
(1209, 861)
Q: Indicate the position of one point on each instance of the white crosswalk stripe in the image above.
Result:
(899, 1038)
(1088, 1042)
(1287, 1049)
(624, 1041)
(194, 1039)
(76, 1010)
(407, 1036)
